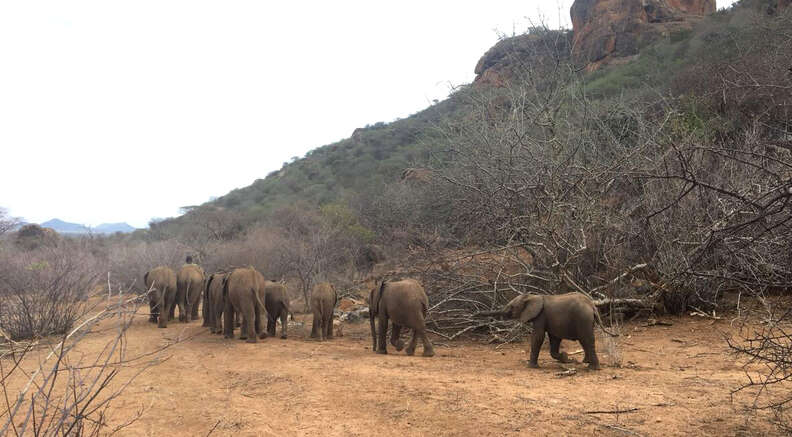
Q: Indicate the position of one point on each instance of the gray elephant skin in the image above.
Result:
(323, 302)
(569, 316)
(404, 303)
(189, 286)
(242, 291)
(161, 281)
(214, 303)
(276, 302)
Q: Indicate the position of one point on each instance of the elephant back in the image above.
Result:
(160, 278)
(274, 295)
(323, 292)
(406, 293)
(190, 273)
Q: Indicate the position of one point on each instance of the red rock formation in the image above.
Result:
(606, 29)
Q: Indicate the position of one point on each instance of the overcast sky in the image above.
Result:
(117, 111)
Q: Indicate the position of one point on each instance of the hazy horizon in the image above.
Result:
(123, 112)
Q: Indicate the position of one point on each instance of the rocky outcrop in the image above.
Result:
(608, 29)
(499, 64)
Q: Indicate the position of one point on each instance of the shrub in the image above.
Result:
(43, 292)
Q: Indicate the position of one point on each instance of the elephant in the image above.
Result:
(568, 316)
(190, 286)
(405, 303)
(276, 301)
(242, 290)
(323, 302)
(161, 281)
(213, 301)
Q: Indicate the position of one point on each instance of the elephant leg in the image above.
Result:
(243, 330)
(373, 332)
(196, 303)
(206, 310)
(587, 342)
(252, 333)
(228, 320)
(536, 346)
(166, 309)
(270, 325)
(555, 345)
(329, 325)
(153, 311)
(284, 322)
(413, 342)
(315, 328)
(217, 316)
(162, 304)
(260, 332)
(396, 340)
(383, 334)
(428, 349)
(172, 310)
(183, 316)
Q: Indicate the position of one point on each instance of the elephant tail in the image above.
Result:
(599, 322)
(257, 297)
(206, 289)
(225, 286)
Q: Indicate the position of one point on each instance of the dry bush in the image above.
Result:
(7, 223)
(766, 351)
(128, 261)
(43, 292)
(69, 392)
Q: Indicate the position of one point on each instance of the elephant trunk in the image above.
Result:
(496, 314)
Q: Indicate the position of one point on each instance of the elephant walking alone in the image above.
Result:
(405, 303)
(568, 316)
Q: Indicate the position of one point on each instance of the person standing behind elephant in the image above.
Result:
(190, 286)
(406, 304)
(276, 301)
(242, 295)
(323, 302)
(161, 284)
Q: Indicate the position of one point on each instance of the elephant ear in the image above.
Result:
(533, 306)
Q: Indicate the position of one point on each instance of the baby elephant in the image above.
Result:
(568, 316)
(323, 302)
(405, 304)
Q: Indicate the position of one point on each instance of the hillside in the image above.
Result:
(376, 155)
(63, 227)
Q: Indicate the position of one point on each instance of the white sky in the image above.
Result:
(117, 111)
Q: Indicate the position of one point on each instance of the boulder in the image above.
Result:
(608, 29)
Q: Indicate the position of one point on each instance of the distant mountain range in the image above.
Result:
(63, 227)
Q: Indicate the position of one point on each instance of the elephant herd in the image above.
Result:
(241, 296)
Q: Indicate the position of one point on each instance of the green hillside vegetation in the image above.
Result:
(377, 154)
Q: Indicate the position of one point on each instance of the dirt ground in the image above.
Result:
(676, 380)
